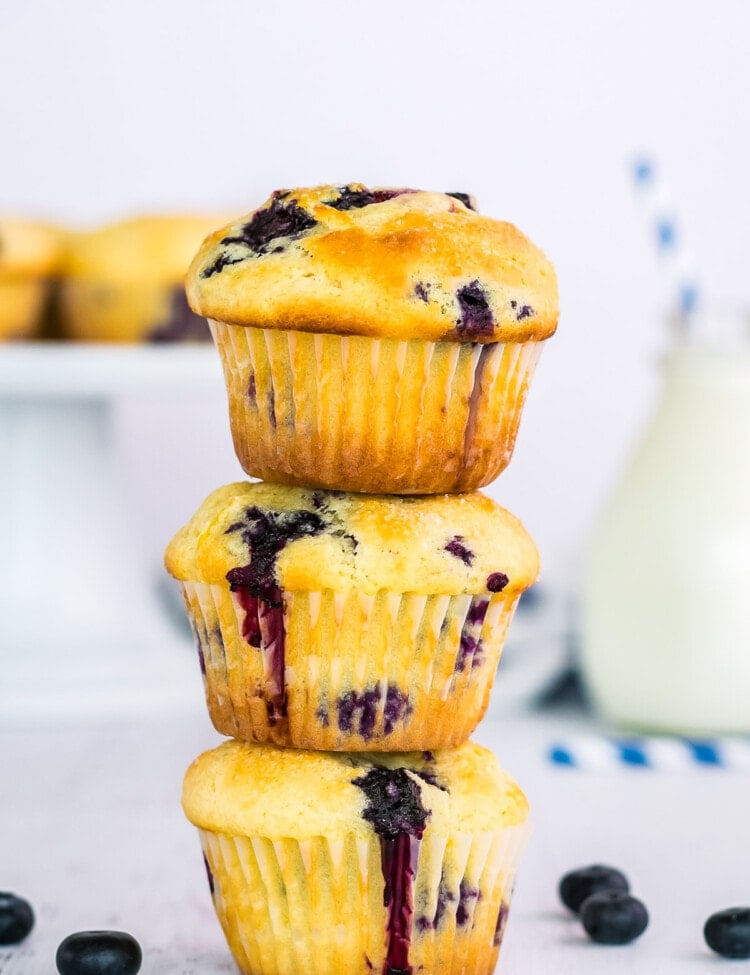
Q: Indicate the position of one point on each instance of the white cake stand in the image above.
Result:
(81, 628)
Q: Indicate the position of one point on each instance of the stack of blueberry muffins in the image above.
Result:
(350, 607)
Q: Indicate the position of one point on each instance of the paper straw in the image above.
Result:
(594, 753)
(681, 280)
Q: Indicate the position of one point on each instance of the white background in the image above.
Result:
(538, 108)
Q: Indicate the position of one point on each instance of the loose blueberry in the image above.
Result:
(728, 932)
(16, 919)
(577, 885)
(99, 953)
(613, 917)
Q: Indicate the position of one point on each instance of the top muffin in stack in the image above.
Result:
(374, 340)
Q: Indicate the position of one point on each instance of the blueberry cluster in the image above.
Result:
(601, 897)
(610, 915)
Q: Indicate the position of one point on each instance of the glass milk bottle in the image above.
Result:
(665, 607)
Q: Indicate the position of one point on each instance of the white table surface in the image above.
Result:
(92, 834)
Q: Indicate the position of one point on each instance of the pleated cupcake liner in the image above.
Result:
(376, 415)
(317, 905)
(384, 672)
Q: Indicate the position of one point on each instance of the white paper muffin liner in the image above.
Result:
(389, 671)
(317, 905)
(374, 415)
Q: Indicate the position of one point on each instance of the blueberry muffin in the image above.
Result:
(125, 282)
(29, 262)
(353, 864)
(374, 340)
(328, 620)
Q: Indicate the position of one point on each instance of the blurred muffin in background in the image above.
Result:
(124, 282)
(29, 261)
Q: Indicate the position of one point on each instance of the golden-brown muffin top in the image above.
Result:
(383, 263)
(156, 247)
(28, 247)
(261, 790)
(309, 540)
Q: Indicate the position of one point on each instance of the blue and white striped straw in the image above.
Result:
(671, 247)
(593, 753)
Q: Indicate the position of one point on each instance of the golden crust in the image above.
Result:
(262, 790)
(415, 265)
(371, 542)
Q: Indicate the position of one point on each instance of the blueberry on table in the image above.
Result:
(99, 953)
(16, 919)
(613, 917)
(728, 932)
(577, 885)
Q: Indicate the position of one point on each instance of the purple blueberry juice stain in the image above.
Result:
(468, 896)
(280, 220)
(321, 714)
(395, 809)
(497, 581)
(252, 392)
(475, 313)
(357, 711)
(470, 653)
(477, 610)
(272, 407)
(201, 641)
(445, 898)
(422, 291)
(502, 920)
(475, 396)
(201, 661)
(471, 649)
(460, 551)
(398, 708)
(182, 324)
(263, 628)
(266, 533)
(209, 875)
